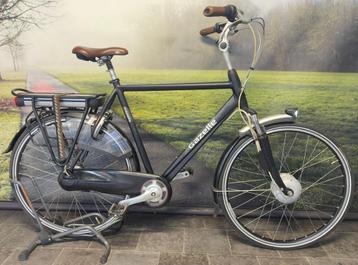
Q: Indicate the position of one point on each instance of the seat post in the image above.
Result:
(110, 67)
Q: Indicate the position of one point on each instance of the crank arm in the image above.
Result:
(150, 194)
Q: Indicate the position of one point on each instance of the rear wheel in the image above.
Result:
(311, 165)
(35, 175)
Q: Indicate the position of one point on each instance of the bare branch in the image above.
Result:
(18, 16)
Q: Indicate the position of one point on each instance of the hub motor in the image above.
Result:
(292, 183)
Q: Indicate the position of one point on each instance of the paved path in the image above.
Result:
(194, 191)
(153, 239)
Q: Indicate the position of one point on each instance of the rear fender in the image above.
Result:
(244, 133)
(30, 124)
(17, 136)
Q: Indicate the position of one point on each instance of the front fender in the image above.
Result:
(244, 133)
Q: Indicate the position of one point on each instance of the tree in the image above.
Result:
(15, 50)
(19, 16)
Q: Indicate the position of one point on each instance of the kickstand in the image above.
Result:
(46, 238)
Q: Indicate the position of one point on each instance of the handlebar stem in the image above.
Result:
(224, 45)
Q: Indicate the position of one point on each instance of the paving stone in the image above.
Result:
(166, 240)
(78, 257)
(187, 221)
(243, 247)
(5, 230)
(21, 236)
(313, 251)
(233, 260)
(38, 256)
(342, 245)
(4, 214)
(206, 241)
(126, 240)
(179, 259)
(159, 220)
(283, 261)
(18, 218)
(145, 220)
(4, 253)
(219, 222)
(133, 258)
(347, 226)
(332, 261)
(70, 244)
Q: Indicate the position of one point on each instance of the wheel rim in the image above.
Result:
(77, 202)
(275, 236)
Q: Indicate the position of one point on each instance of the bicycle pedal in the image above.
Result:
(118, 209)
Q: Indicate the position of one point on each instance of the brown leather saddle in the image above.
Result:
(90, 54)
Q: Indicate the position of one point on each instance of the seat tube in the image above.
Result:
(134, 129)
(129, 117)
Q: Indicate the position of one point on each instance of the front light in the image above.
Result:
(292, 112)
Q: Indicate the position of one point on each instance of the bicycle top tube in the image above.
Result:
(177, 86)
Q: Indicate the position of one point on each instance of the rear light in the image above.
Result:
(18, 101)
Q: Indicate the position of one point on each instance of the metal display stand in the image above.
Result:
(46, 238)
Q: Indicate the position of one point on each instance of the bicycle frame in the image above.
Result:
(195, 145)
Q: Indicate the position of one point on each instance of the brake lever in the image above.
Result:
(219, 27)
(245, 20)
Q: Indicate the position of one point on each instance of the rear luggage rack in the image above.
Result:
(55, 104)
(23, 97)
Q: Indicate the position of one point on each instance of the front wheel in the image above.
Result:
(310, 164)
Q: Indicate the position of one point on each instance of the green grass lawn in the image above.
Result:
(9, 125)
(11, 80)
(327, 102)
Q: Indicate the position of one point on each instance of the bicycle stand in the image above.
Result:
(46, 238)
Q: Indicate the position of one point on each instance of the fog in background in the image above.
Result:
(164, 33)
(136, 25)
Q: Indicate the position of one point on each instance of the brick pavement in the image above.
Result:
(158, 239)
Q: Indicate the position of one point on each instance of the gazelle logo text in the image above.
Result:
(207, 128)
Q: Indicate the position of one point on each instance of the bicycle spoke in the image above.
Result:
(253, 198)
(283, 151)
(247, 191)
(255, 164)
(317, 181)
(250, 172)
(304, 158)
(289, 150)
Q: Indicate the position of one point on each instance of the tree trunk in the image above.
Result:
(1, 79)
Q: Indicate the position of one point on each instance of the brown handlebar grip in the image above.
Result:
(207, 31)
(214, 11)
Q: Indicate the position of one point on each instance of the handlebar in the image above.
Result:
(217, 28)
(229, 11)
(207, 31)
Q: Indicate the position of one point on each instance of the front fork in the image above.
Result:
(265, 156)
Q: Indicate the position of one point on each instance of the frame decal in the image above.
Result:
(201, 135)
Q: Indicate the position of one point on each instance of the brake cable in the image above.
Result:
(257, 50)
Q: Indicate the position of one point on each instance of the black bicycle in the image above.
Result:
(281, 185)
